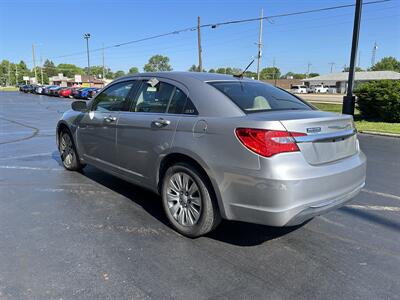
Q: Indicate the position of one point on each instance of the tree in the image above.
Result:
(250, 74)
(288, 75)
(157, 63)
(193, 68)
(357, 69)
(133, 70)
(23, 71)
(5, 65)
(49, 68)
(299, 76)
(69, 70)
(119, 73)
(388, 63)
(313, 75)
(270, 73)
(221, 70)
(211, 71)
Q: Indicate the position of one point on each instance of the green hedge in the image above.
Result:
(379, 100)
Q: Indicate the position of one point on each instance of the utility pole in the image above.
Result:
(41, 69)
(200, 69)
(374, 54)
(260, 45)
(86, 36)
(104, 70)
(16, 74)
(308, 69)
(34, 61)
(332, 65)
(359, 59)
(349, 100)
(9, 74)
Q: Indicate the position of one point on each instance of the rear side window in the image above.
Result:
(256, 96)
(153, 99)
(181, 104)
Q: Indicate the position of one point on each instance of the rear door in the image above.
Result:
(147, 130)
(97, 130)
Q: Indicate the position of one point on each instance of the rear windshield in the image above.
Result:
(256, 96)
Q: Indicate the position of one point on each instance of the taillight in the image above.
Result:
(268, 142)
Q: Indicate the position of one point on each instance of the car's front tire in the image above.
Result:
(188, 201)
(68, 153)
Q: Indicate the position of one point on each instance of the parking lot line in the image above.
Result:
(375, 207)
(31, 168)
(381, 194)
(26, 156)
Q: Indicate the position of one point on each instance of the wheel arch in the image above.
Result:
(62, 125)
(175, 157)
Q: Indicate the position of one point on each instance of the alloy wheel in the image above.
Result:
(184, 199)
(67, 150)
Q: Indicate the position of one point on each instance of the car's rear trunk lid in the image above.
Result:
(328, 138)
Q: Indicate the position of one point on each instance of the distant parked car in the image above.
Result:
(46, 89)
(215, 146)
(299, 89)
(22, 87)
(39, 89)
(54, 90)
(320, 89)
(86, 93)
(28, 88)
(75, 92)
(65, 92)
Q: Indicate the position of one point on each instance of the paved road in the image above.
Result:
(66, 235)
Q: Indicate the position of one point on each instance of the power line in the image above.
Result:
(215, 25)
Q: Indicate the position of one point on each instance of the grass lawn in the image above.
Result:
(362, 125)
(8, 89)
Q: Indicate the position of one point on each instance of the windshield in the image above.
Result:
(256, 96)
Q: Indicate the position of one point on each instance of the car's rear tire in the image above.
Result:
(68, 153)
(188, 201)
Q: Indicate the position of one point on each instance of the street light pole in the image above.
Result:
(349, 100)
(34, 62)
(87, 37)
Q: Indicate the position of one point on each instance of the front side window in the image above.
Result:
(114, 98)
(256, 96)
(153, 99)
(181, 104)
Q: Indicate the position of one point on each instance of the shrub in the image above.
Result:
(379, 100)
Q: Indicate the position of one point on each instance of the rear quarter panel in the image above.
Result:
(218, 150)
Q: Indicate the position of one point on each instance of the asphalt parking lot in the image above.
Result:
(66, 235)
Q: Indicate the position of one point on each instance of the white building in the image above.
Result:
(338, 81)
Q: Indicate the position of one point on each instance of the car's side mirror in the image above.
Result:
(79, 106)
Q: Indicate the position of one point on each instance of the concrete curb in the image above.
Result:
(380, 133)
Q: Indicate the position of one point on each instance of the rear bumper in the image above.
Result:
(288, 191)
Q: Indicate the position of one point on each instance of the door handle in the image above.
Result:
(161, 122)
(110, 119)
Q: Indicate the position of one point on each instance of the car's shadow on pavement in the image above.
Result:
(231, 232)
(247, 234)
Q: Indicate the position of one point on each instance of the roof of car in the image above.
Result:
(202, 76)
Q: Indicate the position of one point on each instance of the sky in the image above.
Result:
(56, 27)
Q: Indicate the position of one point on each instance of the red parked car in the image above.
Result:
(67, 92)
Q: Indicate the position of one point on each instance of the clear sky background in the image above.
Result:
(57, 28)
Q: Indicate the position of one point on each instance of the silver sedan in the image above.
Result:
(217, 147)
